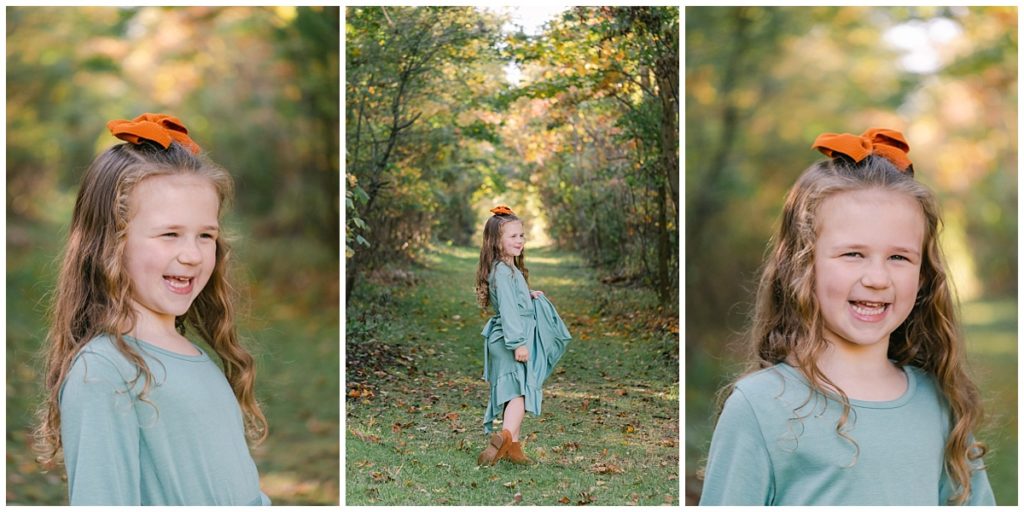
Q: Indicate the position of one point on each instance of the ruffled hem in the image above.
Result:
(507, 387)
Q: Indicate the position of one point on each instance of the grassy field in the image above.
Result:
(609, 430)
(291, 288)
(991, 328)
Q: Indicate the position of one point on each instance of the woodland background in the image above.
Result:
(258, 89)
(451, 111)
(762, 83)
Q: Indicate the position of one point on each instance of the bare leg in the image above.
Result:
(515, 409)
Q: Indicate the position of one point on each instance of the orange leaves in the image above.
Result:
(361, 391)
(605, 468)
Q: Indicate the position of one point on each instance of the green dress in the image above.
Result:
(518, 320)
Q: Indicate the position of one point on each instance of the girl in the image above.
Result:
(522, 341)
(142, 415)
(857, 393)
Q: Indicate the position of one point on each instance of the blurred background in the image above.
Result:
(258, 89)
(762, 83)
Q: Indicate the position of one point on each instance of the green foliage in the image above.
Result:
(433, 131)
(416, 133)
(257, 87)
(611, 189)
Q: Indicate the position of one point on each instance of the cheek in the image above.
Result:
(909, 283)
(209, 258)
(830, 283)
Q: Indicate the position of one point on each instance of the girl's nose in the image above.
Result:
(875, 275)
(190, 254)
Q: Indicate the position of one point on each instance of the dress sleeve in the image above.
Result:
(100, 434)
(739, 470)
(512, 325)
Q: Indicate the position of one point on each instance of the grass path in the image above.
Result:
(609, 430)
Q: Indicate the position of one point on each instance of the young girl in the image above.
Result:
(522, 341)
(857, 393)
(144, 416)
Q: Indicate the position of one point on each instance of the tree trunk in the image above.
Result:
(664, 254)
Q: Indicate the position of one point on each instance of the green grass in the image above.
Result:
(991, 330)
(608, 434)
(291, 324)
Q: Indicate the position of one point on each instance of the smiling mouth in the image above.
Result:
(869, 309)
(179, 284)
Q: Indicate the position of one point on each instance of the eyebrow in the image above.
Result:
(209, 227)
(860, 247)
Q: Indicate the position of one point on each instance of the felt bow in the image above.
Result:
(888, 144)
(160, 128)
(502, 210)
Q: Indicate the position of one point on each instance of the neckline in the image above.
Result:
(868, 404)
(149, 347)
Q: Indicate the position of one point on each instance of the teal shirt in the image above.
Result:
(184, 445)
(762, 454)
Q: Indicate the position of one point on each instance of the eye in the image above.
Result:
(899, 257)
(170, 234)
(852, 254)
(208, 236)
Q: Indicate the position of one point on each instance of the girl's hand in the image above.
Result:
(536, 293)
(522, 354)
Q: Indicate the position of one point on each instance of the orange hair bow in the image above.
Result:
(502, 210)
(160, 128)
(886, 143)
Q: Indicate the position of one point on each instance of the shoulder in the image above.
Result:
(101, 357)
(772, 393)
(502, 269)
(766, 383)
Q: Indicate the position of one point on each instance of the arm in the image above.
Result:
(100, 434)
(739, 470)
(512, 324)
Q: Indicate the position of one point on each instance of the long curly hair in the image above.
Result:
(787, 323)
(93, 291)
(490, 251)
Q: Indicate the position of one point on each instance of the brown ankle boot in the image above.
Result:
(497, 447)
(515, 454)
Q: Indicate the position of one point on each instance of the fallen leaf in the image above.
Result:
(369, 438)
(603, 468)
(564, 500)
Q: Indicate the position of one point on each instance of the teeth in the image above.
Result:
(869, 308)
(178, 282)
